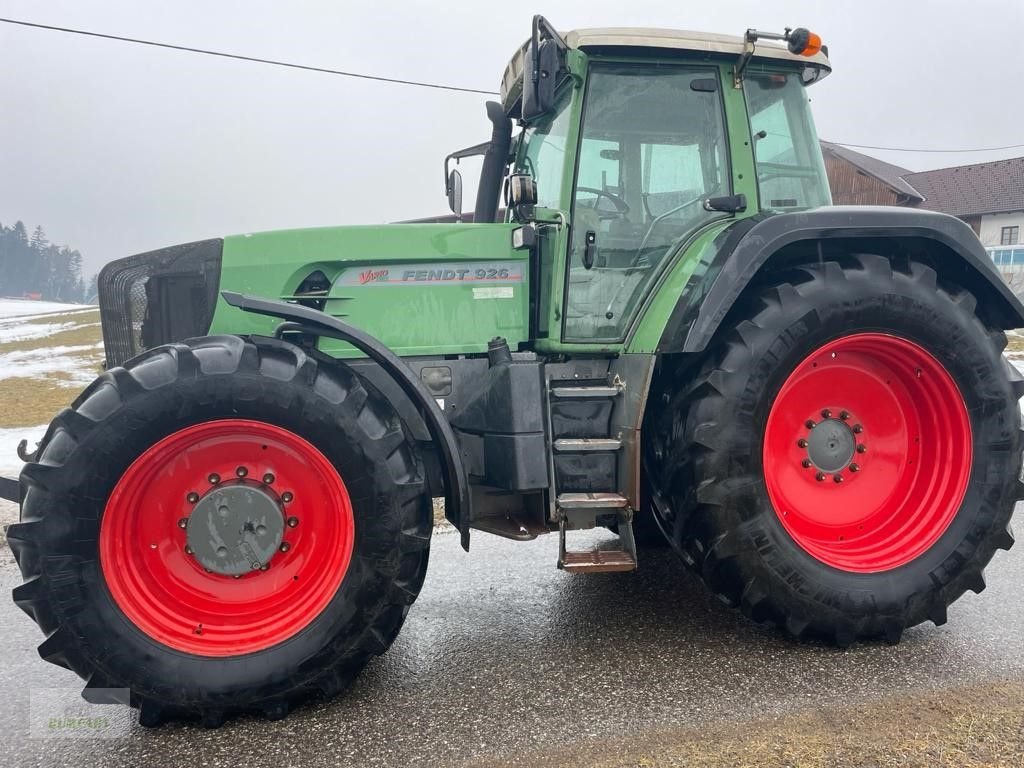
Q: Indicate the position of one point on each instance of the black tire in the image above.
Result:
(88, 447)
(706, 453)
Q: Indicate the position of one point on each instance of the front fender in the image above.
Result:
(745, 248)
(312, 321)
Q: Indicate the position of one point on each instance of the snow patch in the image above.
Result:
(10, 464)
(29, 331)
(24, 308)
(78, 363)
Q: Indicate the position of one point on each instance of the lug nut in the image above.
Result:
(183, 523)
(264, 567)
(857, 429)
(188, 550)
(241, 471)
(801, 443)
(268, 478)
(214, 478)
(809, 424)
(238, 575)
(255, 565)
(837, 477)
(286, 497)
(855, 467)
(192, 497)
(285, 546)
(826, 414)
(806, 463)
(292, 522)
(844, 415)
(820, 476)
(862, 448)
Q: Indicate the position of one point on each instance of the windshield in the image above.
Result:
(790, 171)
(542, 153)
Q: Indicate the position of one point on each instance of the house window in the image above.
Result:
(1009, 236)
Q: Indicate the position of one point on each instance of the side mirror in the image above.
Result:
(539, 94)
(454, 190)
(543, 65)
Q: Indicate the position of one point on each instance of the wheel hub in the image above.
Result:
(235, 529)
(831, 445)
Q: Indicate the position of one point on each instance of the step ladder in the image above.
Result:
(584, 471)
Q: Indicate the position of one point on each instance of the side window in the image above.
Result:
(790, 171)
(543, 155)
(652, 149)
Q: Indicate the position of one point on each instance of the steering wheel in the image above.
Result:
(621, 206)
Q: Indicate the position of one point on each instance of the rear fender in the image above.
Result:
(766, 241)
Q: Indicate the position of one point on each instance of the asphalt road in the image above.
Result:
(503, 656)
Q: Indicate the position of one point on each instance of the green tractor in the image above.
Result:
(653, 321)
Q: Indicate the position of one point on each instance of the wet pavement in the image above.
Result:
(503, 656)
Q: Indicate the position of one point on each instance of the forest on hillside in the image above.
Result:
(32, 266)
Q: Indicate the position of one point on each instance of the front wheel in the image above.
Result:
(850, 452)
(223, 525)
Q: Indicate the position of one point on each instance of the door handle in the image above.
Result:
(589, 249)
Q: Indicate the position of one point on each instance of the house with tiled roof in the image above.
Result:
(858, 179)
(988, 196)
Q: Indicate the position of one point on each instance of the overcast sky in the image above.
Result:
(117, 149)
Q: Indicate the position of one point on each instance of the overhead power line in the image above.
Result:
(939, 151)
(399, 81)
(256, 59)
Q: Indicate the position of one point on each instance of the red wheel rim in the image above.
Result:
(891, 499)
(163, 588)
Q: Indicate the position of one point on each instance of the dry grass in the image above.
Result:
(85, 331)
(27, 402)
(972, 727)
(1015, 343)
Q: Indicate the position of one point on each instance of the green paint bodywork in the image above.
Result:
(458, 317)
(441, 317)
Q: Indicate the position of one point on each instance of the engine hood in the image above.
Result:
(421, 289)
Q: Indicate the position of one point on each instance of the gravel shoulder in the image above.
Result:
(965, 727)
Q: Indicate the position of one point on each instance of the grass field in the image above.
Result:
(45, 361)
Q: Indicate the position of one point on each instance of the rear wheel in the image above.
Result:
(846, 461)
(224, 525)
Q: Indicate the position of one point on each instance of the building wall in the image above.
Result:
(853, 187)
(992, 226)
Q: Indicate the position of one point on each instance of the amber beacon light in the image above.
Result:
(803, 42)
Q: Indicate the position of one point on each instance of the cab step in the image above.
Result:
(597, 561)
(592, 501)
(602, 559)
(587, 444)
(606, 390)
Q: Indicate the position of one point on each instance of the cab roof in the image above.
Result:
(616, 39)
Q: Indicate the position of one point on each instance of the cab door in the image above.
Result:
(652, 148)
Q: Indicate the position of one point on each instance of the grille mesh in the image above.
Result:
(158, 297)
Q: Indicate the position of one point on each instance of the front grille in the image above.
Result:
(158, 297)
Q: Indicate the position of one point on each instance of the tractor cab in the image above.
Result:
(636, 141)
